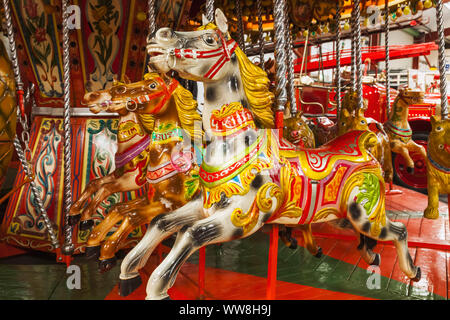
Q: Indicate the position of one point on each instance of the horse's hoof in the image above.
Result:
(92, 252)
(431, 213)
(73, 220)
(410, 170)
(294, 244)
(418, 275)
(319, 253)
(107, 264)
(376, 261)
(127, 286)
(86, 225)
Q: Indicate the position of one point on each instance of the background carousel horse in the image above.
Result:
(352, 118)
(398, 129)
(244, 188)
(151, 148)
(438, 164)
(8, 115)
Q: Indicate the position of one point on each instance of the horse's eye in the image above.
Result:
(363, 122)
(343, 124)
(210, 39)
(438, 128)
(121, 89)
(152, 85)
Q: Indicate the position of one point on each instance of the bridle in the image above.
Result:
(166, 93)
(223, 53)
(132, 104)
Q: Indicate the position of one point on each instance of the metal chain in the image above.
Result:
(338, 58)
(68, 246)
(25, 136)
(357, 17)
(210, 10)
(442, 76)
(240, 23)
(353, 56)
(12, 45)
(261, 34)
(387, 59)
(151, 17)
(280, 53)
(290, 59)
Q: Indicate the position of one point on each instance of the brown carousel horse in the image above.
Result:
(8, 114)
(438, 164)
(352, 118)
(398, 129)
(152, 148)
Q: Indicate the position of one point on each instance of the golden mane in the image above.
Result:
(187, 111)
(256, 88)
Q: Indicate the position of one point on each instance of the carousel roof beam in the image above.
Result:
(269, 47)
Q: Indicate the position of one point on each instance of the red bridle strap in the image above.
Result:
(224, 53)
(166, 93)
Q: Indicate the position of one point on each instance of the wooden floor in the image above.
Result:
(237, 270)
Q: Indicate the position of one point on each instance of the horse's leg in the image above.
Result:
(400, 148)
(310, 243)
(91, 188)
(391, 231)
(160, 228)
(414, 147)
(132, 219)
(127, 182)
(115, 214)
(216, 228)
(285, 234)
(432, 209)
(365, 246)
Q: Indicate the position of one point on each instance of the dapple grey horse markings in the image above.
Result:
(249, 177)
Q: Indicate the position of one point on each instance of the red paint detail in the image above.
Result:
(272, 264)
(9, 251)
(20, 94)
(308, 203)
(391, 191)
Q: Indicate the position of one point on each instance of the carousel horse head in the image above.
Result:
(409, 96)
(211, 56)
(189, 52)
(351, 117)
(297, 132)
(149, 97)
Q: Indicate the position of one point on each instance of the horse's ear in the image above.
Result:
(345, 113)
(360, 112)
(221, 21)
(434, 120)
(126, 79)
(205, 20)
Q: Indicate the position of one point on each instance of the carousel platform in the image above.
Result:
(238, 270)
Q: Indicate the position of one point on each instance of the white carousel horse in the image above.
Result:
(249, 177)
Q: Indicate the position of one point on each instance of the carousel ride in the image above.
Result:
(111, 167)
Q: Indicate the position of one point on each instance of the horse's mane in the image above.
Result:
(186, 107)
(187, 111)
(256, 86)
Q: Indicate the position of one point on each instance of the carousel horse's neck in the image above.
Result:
(169, 115)
(130, 132)
(225, 91)
(399, 113)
